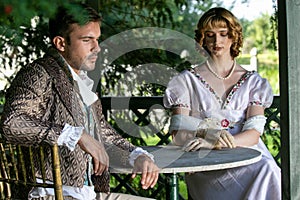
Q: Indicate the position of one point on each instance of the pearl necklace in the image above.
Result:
(217, 75)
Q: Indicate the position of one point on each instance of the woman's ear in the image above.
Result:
(59, 43)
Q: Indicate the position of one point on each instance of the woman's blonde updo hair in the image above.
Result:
(220, 18)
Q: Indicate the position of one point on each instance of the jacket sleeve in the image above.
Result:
(108, 134)
(27, 107)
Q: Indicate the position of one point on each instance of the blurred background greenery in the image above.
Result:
(23, 32)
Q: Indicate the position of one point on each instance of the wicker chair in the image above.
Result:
(15, 163)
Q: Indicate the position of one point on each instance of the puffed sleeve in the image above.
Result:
(177, 93)
(261, 93)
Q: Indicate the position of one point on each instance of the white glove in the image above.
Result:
(208, 139)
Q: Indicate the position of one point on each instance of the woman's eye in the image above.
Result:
(224, 34)
(209, 34)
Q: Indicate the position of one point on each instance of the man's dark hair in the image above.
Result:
(69, 14)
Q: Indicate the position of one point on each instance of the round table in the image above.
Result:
(171, 160)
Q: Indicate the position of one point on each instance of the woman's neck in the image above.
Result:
(221, 65)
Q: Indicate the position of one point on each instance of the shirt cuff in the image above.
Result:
(70, 136)
(136, 153)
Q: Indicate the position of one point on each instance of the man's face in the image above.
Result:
(82, 50)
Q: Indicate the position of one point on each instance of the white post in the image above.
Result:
(253, 59)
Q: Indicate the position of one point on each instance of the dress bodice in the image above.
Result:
(191, 91)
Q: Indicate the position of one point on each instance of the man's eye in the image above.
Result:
(85, 40)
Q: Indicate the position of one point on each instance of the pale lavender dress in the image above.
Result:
(259, 181)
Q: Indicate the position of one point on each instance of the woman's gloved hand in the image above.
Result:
(225, 139)
(210, 139)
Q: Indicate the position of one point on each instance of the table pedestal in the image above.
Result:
(173, 193)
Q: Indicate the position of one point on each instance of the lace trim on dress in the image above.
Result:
(255, 103)
(180, 106)
(237, 86)
(232, 91)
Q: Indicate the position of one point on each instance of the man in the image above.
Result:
(50, 101)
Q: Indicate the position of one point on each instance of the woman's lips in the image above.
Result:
(217, 48)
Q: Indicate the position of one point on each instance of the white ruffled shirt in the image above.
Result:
(70, 136)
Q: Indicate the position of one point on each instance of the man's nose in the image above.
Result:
(97, 47)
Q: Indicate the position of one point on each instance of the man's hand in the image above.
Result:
(143, 164)
(96, 149)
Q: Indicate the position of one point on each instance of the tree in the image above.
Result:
(23, 24)
(23, 29)
(258, 34)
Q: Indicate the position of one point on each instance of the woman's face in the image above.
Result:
(218, 42)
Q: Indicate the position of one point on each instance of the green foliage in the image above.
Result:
(23, 40)
(24, 32)
(268, 67)
(122, 16)
(271, 136)
(260, 33)
(274, 26)
(272, 140)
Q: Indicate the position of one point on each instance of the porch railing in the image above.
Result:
(137, 111)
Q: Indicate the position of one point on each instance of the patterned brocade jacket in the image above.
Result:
(44, 97)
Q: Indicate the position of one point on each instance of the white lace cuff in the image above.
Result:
(184, 122)
(136, 153)
(70, 136)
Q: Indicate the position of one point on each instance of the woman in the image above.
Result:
(219, 104)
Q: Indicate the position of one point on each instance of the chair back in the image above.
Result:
(18, 169)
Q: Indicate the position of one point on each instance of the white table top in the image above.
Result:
(171, 159)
